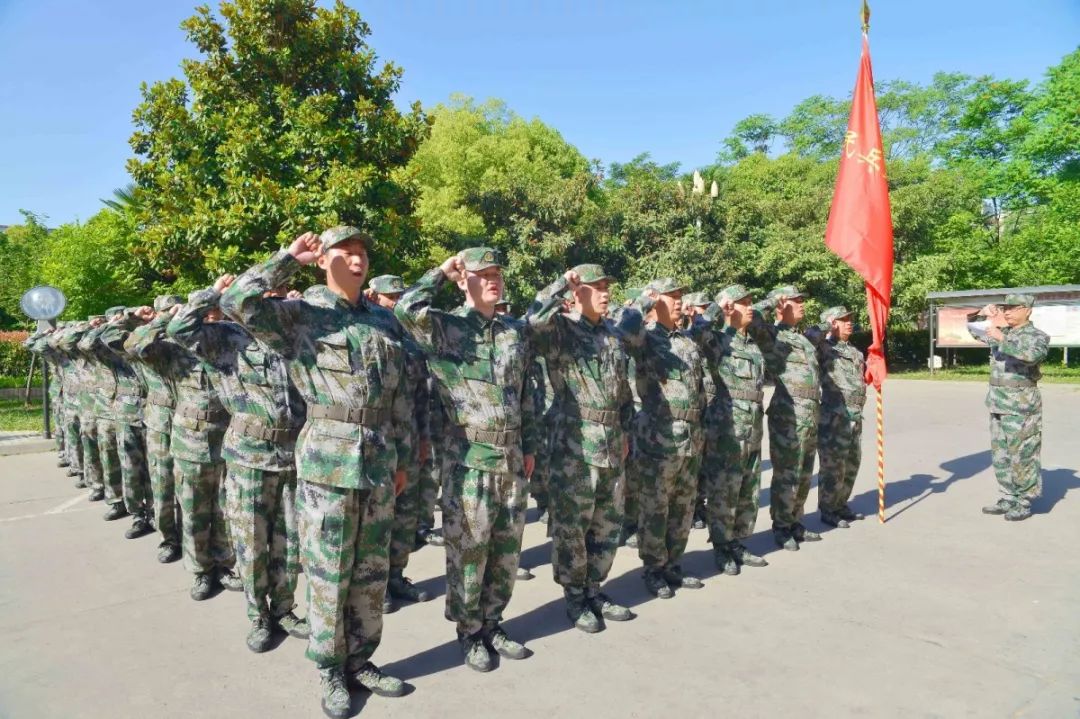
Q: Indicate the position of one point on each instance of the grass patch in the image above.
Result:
(8, 382)
(1052, 374)
(15, 415)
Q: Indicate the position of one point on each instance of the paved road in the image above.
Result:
(940, 612)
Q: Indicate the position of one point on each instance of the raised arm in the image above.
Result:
(414, 310)
(1030, 347)
(189, 327)
(631, 324)
(270, 320)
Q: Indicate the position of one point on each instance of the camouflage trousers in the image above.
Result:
(586, 521)
(668, 491)
(162, 486)
(733, 478)
(483, 520)
(792, 445)
(108, 446)
(429, 491)
(204, 531)
(344, 549)
(73, 450)
(262, 519)
(1016, 446)
(134, 472)
(839, 456)
(406, 520)
(632, 492)
(88, 438)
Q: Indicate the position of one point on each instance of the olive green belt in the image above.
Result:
(499, 438)
(257, 428)
(366, 416)
(803, 392)
(608, 417)
(1010, 382)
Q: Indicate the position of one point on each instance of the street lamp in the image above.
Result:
(44, 304)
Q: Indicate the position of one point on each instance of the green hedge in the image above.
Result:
(14, 359)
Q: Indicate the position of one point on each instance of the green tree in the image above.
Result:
(285, 123)
(21, 249)
(488, 176)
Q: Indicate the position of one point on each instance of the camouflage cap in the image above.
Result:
(387, 285)
(591, 273)
(733, 293)
(114, 311)
(665, 285)
(480, 258)
(632, 293)
(789, 291)
(337, 235)
(167, 302)
(696, 299)
(834, 313)
(1018, 299)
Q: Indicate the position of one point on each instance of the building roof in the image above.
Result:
(957, 296)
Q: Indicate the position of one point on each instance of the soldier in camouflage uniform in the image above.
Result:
(632, 492)
(791, 363)
(1015, 403)
(102, 436)
(198, 428)
(668, 432)
(480, 361)
(587, 366)
(695, 305)
(266, 413)
(38, 343)
(345, 357)
(130, 430)
(385, 291)
(734, 425)
(86, 381)
(70, 401)
(157, 364)
(843, 394)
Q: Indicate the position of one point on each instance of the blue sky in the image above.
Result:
(616, 77)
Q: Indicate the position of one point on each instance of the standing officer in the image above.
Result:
(101, 434)
(266, 415)
(385, 291)
(735, 425)
(1015, 404)
(792, 364)
(843, 394)
(159, 366)
(587, 367)
(346, 360)
(480, 360)
(668, 432)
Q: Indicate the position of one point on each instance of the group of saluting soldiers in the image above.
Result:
(258, 430)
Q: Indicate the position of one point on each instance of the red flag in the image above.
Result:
(860, 222)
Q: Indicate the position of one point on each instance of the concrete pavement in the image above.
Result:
(941, 612)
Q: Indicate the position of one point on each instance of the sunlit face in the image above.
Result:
(346, 265)
(669, 308)
(387, 301)
(793, 311)
(593, 298)
(1016, 315)
(741, 314)
(484, 287)
(842, 327)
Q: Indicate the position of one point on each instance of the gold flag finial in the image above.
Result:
(865, 16)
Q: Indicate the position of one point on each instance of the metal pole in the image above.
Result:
(930, 325)
(45, 396)
(29, 378)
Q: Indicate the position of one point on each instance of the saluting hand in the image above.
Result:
(453, 268)
(727, 306)
(145, 313)
(305, 248)
(222, 283)
(573, 279)
(293, 295)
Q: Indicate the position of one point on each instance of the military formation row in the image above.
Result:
(259, 430)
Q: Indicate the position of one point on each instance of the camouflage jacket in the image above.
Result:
(737, 370)
(130, 391)
(199, 419)
(65, 364)
(85, 377)
(669, 374)
(100, 378)
(346, 361)
(790, 362)
(587, 368)
(252, 382)
(154, 362)
(1014, 370)
(843, 375)
(480, 366)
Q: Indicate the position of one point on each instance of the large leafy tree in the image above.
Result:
(286, 122)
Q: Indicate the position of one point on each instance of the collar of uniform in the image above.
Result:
(323, 296)
(785, 326)
(581, 319)
(475, 317)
